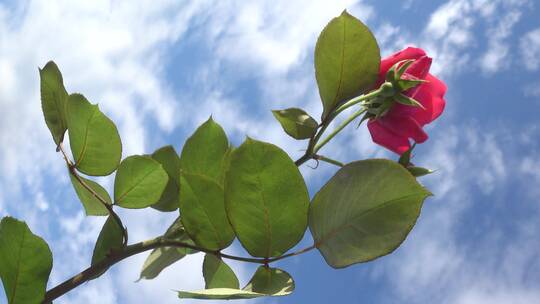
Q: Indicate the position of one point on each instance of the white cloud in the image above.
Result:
(451, 35)
(492, 262)
(496, 57)
(530, 49)
(117, 54)
(272, 36)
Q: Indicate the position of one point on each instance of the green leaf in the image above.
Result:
(366, 210)
(139, 182)
(93, 137)
(202, 207)
(265, 282)
(217, 274)
(53, 100)
(296, 122)
(162, 257)
(266, 199)
(169, 159)
(347, 60)
(25, 262)
(225, 165)
(204, 152)
(110, 238)
(92, 205)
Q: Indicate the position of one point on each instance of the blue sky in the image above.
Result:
(160, 68)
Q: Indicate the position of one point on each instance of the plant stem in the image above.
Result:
(117, 256)
(328, 160)
(312, 145)
(357, 100)
(75, 174)
(338, 129)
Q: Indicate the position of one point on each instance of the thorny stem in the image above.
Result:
(128, 251)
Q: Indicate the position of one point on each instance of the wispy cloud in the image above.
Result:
(462, 251)
(530, 49)
(117, 54)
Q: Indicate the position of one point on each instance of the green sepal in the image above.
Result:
(406, 84)
(405, 64)
(408, 101)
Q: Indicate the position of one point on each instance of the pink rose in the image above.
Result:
(403, 122)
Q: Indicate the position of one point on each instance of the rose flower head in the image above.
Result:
(410, 99)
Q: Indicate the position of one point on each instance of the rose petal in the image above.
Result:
(404, 126)
(431, 96)
(408, 53)
(386, 138)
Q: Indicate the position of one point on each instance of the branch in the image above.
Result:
(119, 255)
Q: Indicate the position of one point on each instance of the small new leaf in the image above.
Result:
(296, 122)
